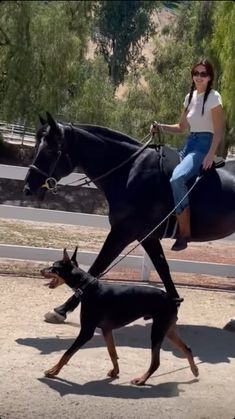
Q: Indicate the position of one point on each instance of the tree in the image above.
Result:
(223, 48)
(43, 46)
(94, 101)
(121, 29)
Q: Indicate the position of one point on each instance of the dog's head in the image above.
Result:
(61, 271)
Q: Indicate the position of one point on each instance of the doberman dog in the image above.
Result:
(111, 306)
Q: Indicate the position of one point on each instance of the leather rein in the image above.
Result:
(51, 184)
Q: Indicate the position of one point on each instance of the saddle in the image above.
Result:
(170, 158)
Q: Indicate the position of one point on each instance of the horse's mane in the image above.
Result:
(106, 133)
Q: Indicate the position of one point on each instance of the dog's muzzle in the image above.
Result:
(56, 280)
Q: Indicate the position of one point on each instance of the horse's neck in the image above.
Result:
(97, 154)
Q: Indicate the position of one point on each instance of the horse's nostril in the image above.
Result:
(27, 190)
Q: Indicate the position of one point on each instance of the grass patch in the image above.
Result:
(48, 235)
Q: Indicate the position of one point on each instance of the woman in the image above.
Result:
(203, 114)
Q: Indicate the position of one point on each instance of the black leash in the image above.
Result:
(152, 231)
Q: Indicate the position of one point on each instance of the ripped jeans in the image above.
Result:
(196, 147)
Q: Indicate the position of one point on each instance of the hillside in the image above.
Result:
(160, 19)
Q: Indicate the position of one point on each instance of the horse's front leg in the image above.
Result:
(115, 242)
(118, 238)
(154, 250)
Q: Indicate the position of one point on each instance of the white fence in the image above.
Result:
(141, 262)
(20, 134)
(17, 133)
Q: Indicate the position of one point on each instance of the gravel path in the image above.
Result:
(29, 346)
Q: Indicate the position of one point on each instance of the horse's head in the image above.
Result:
(51, 161)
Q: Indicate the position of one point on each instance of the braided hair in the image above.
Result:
(210, 72)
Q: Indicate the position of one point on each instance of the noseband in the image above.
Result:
(50, 182)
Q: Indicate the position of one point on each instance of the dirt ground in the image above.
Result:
(29, 346)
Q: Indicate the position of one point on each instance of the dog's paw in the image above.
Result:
(195, 370)
(52, 372)
(113, 373)
(139, 381)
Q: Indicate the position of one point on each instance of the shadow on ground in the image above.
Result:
(210, 344)
(104, 388)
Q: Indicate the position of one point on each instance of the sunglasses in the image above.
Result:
(200, 73)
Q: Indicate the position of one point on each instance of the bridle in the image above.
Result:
(51, 182)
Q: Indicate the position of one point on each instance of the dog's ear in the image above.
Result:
(66, 257)
(74, 257)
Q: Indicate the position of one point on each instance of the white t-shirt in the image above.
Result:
(197, 121)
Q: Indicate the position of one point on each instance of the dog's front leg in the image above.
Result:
(83, 337)
(108, 337)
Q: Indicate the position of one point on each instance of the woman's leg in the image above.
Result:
(186, 170)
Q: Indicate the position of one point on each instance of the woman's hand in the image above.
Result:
(155, 126)
(208, 161)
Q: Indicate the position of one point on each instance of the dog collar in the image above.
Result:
(80, 290)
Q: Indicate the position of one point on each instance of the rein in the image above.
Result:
(51, 183)
(109, 172)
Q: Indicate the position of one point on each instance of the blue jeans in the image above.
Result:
(196, 147)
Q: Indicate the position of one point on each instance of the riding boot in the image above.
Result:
(184, 230)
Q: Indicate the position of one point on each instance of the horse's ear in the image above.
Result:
(66, 257)
(74, 257)
(51, 121)
(42, 120)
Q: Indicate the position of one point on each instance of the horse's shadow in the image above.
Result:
(210, 344)
(104, 388)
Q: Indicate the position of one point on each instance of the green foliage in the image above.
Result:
(93, 98)
(1, 143)
(41, 56)
(223, 46)
(121, 29)
(133, 115)
(43, 64)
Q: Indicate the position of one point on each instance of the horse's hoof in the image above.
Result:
(230, 326)
(54, 317)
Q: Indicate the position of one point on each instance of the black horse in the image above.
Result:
(138, 191)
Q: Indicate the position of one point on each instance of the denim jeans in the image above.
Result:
(194, 150)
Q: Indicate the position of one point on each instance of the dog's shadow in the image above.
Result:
(210, 344)
(104, 388)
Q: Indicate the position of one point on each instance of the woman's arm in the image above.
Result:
(218, 125)
(179, 128)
